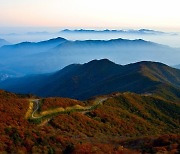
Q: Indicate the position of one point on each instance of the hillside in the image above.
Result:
(82, 81)
(121, 123)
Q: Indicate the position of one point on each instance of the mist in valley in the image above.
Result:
(36, 52)
(17, 35)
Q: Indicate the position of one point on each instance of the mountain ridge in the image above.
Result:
(140, 31)
(82, 81)
(54, 54)
(53, 40)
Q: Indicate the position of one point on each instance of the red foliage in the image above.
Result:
(99, 131)
(59, 102)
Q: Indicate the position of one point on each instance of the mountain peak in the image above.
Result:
(99, 77)
(101, 64)
(57, 39)
(100, 61)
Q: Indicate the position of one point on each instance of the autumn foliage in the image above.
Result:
(124, 123)
(50, 103)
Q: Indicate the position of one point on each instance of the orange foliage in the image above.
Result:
(59, 102)
(106, 129)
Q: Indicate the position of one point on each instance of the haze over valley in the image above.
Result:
(54, 54)
(17, 35)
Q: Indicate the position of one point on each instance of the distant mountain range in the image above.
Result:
(120, 31)
(131, 31)
(54, 54)
(3, 42)
(30, 47)
(99, 77)
(17, 57)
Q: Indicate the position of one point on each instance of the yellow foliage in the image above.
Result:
(29, 111)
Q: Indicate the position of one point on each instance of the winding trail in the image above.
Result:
(102, 100)
(37, 107)
(83, 111)
(96, 104)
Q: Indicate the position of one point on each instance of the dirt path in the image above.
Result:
(37, 107)
(60, 110)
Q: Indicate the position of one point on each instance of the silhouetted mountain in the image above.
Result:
(30, 47)
(109, 43)
(140, 31)
(118, 50)
(17, 57)
(100, 77)
(3, 42)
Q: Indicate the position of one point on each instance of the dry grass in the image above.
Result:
(30, 110)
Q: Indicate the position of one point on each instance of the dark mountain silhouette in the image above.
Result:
(3, 42)
(101, 77)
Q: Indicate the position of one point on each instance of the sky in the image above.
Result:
(115, 14)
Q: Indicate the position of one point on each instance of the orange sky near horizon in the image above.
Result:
(154, 14)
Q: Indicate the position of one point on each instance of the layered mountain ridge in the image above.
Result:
(54, 54)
